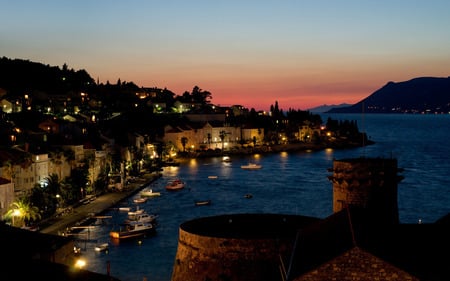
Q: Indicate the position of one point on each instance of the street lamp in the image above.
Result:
(16, 213)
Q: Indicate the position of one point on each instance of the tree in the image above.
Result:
(222, 135)
(209, 140)
(52, 190)
(22, 212)
(184, 141)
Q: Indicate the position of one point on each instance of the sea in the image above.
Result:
(287, 183)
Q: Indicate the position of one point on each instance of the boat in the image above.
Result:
(125, 209)
(140, 200)
(212, 177)
(101, 247)
(202, 202)
(144, 217)
(175, 185)
(226, 159)
(248, 195)
(149, 193)
(137, 212)
(132, 229)
(251, 166)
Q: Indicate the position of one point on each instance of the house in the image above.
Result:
(6, 196)
(209, 134)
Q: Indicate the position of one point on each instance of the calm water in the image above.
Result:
(289, 183)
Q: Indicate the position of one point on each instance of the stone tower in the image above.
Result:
(236, 246)
(370, 183)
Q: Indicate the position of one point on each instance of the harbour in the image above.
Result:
(289, 183)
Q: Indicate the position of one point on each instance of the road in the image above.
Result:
(60, 224)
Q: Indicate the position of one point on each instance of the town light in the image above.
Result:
(80, 263)
(16, 213)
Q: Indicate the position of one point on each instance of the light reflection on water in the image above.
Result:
(290, 183)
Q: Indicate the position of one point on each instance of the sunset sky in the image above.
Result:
(300, 53)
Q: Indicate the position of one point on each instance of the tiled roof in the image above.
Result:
(419, 249)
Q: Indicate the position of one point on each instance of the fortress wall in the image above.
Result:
(367, 182)
(237, 253)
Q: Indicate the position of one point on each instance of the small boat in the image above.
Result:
(132, 229)
(226, 159)
(251, 166)
(137, 212)
(149, 193)
(175, 185)
(248, 195)
(125, 209)
(212, 177)
(140, 200)
(144, 217)
(101, 247)
(202, 202)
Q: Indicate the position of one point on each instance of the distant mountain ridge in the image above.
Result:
(418, 95)
(326, 107)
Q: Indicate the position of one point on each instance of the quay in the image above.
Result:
(96, 206)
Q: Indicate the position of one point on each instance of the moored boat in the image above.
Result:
(251, 166)
(144, 218)
(202, 202)
(136, 212)
(226, 159)
(149, 193)
(101, 247)
(132, 229)
(140, 200)
(175, 185)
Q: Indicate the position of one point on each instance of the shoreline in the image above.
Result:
(291, 147)
(79, 215)
(82, 213)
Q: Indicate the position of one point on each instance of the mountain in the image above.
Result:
(325, 107)
(418, 95)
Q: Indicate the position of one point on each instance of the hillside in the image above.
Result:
(418, 95)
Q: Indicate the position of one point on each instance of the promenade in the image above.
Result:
(96, 206)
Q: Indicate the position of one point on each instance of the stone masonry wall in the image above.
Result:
(368, 183)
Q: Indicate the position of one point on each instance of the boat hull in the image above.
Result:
(132, 230)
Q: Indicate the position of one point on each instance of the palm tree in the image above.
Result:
(21, 212)
(184, 141)
(222, 135)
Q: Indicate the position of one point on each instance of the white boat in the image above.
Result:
(149, 193)
(175, 185)
(132, 229)
(144, 217)
(101, 247)
(202, 202)
(137, 212)
(140, 200)
(251, 166)
(124, 209)
(226, 159)
(212, 177)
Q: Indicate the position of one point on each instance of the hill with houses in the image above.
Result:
(59, 128)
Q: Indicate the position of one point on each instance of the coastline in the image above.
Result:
(82, 213)
(291, 147)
